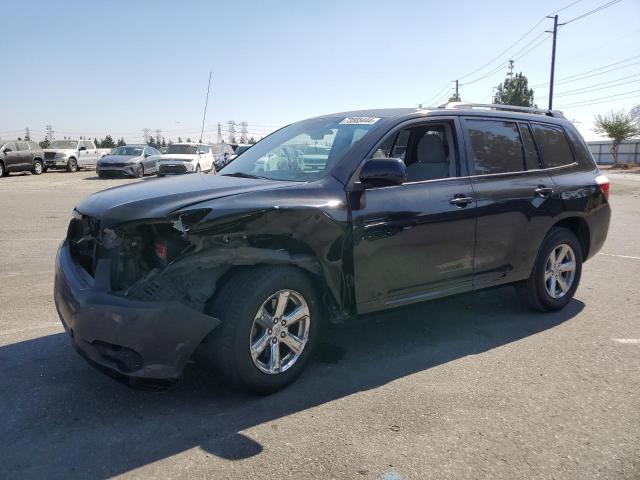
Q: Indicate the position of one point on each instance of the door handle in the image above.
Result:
(460, 200)
(544, 192)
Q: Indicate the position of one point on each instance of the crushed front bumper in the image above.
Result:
(142, 339)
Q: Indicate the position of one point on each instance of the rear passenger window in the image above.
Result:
(22, 146)
(495, 146)
(531, 157)
(553, 145)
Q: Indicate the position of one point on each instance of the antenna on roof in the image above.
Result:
(206, 101)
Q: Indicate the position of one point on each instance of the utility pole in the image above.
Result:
(27, 137)
(553, 59)
(244, 132)
(145, 134)
(231, 130)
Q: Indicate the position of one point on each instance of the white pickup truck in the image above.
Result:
(73, 154)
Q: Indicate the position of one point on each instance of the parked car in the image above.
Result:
(73, 154)
(20, 156)
(186, 158)
(408, 205)
(129, 160)
(241, 148)
(222, 152)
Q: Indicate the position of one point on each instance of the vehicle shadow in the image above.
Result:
(65, 419)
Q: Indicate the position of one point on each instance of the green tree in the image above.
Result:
(188, 140)
(618, 126)
(44, 143)
(252, 140)
(179, 140)
(96, 142)
(514, 91)
(107, 142)
(163, 144)
(121, 142)
(151, 141)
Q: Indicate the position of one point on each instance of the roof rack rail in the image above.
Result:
(508, 108)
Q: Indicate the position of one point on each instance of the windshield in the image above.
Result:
(64, 144)
(183, 149)
(304, 151)
(129, 151)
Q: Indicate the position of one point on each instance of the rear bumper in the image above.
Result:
(143, 339)
(598, 224)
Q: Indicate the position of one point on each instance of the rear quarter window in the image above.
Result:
(553, 144)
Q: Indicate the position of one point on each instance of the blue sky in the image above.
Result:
(91, 68)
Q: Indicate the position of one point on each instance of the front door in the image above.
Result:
(516, 199)
(11, 157)
(415, 241)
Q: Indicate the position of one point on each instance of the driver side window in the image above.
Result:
(427, 150)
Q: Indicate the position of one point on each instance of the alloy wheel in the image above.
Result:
(279, 332)
(560, 270)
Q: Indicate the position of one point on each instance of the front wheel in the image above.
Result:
(37, 167)
(198, 168)
(556, 272)
(270, 323)
(139, 171)
(3, 172)
(72, 165)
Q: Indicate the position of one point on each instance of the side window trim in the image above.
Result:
(526, 124)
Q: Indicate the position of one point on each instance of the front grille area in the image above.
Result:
(119, 165)
(49, 155)
(82, 237)
(173, 169)
(111, 173)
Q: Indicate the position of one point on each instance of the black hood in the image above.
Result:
(157, 198)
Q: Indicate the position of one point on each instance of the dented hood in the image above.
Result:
(157, 198)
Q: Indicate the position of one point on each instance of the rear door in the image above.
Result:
(415, 241)
(25, 158)
(516, 199)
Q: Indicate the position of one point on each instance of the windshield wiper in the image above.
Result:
(241, 175)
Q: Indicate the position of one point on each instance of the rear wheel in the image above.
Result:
(270, 321)
(556, 272)
(72, 165)
(37, 167)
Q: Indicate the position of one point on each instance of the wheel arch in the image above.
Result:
(580, 228)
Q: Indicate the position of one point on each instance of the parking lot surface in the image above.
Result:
(472, 386)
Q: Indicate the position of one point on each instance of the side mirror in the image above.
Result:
(82, 148)
(147, 155)
(382, 172)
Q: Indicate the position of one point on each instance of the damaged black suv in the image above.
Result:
(323, 220)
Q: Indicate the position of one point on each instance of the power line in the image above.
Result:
(589, 102)
(593, 87)
(595, 10)
(592, 70)
(437, 95)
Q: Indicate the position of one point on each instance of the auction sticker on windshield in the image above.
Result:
(359, 121)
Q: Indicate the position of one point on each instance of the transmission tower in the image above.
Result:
(244, 132)
(231, 130)
(145, 134)
(49, 129)
(219, 140)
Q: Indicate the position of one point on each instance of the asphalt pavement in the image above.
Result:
(473, 386)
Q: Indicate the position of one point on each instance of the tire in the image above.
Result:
(139, 172)
(237, 304)
(37, 167)
(160, 174)
(101, 175)
(3, 172)
(536, 291)
(198, 168)
(72, 165)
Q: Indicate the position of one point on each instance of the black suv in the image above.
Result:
(322, 220)
(20, 156)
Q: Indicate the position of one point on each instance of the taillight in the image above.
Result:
(603, 184)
